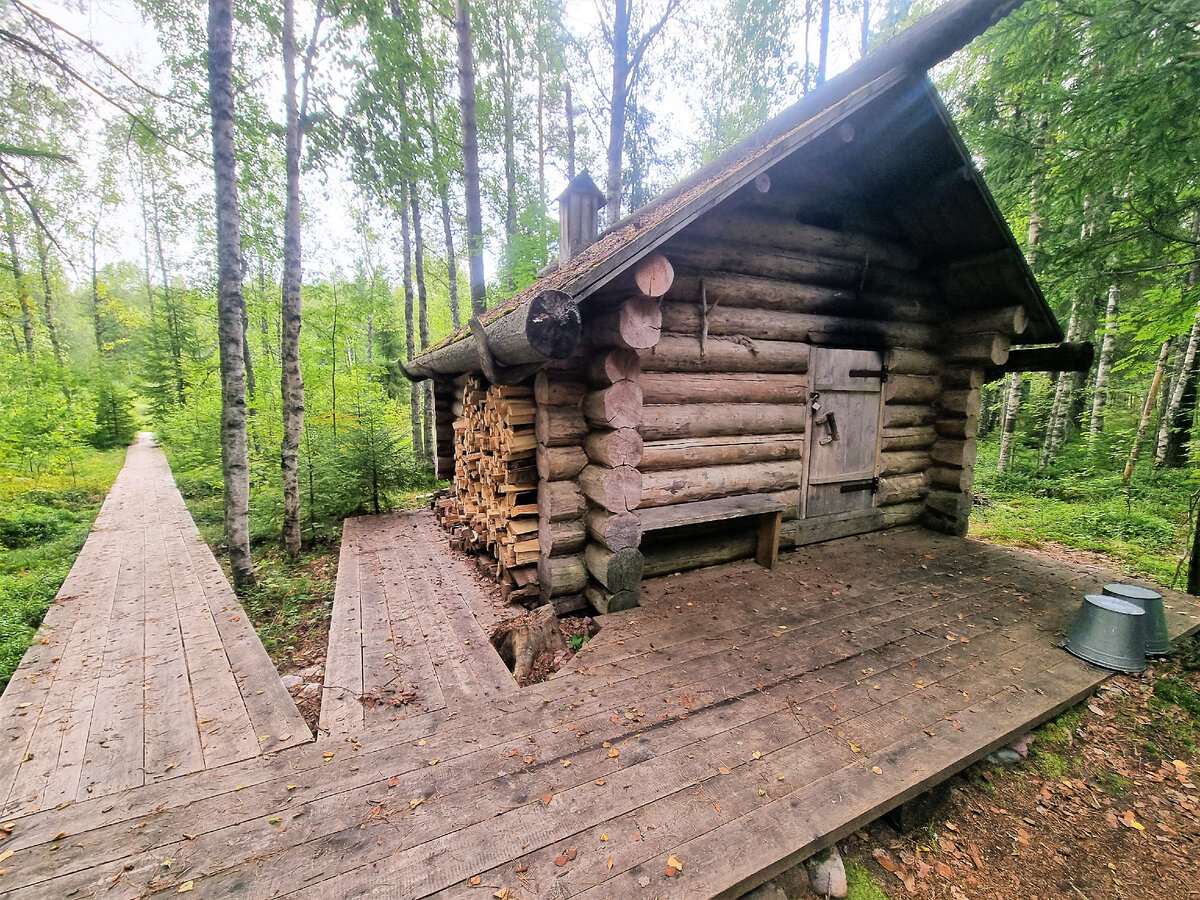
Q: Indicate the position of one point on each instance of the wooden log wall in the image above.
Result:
(561, 430)
(494, 507)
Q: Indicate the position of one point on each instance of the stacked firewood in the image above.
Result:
(493, 508)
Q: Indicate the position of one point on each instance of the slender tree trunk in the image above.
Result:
(1144, 423)
(470, 144)
(1104, 365)
(618, 103)
(865, 36)
(235, 462)
(510, 162)
(823, 36)
(1193, 578)
(97, 320)
(1012, 410)
(1056, 428)
(570, 111)
(410, 338)
(10, 227)
(48, 299)
(1181, 425)
(291, 381)
(173, 328)
(1170, 416)
(443, 180)
(423, 325)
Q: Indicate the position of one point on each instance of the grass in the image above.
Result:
(860, 885)
(1081, 503)
(43, 524)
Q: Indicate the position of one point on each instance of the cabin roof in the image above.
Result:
(875, 138)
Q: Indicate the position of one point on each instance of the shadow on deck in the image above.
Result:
(739, 720)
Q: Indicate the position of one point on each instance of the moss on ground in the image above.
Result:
(861, 885)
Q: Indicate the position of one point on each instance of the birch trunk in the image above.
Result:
(823, 39)
(426, 389)
(410, 337)
(1144, 424)
(443, 182)
(291, 382)
(1175, 403)
(1056, 430)
(470, 145)
(618, 104)
(1012, 409)
(10, 227)
(48, 299)
(234, 456)
(1104, 364)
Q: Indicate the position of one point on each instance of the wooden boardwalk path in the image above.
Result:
(409, 621)
(146, 667)
(735, 720)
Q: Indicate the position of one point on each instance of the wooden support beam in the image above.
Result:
(1009, 320)
(606, 602)
(607, 367)
(1065, 357)
(559, 426)
(562, 538)
(919, 437)
(911, 388)
(685, 485)
(989, 349)
(549, 391)
(902, 488)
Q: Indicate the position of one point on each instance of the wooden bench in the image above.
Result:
(766, 509)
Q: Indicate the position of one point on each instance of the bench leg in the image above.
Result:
(769, 527)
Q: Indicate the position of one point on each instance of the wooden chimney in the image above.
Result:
(578, 213)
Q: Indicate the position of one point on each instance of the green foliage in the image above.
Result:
(1177, 691)
(860, 885)
(115, 422)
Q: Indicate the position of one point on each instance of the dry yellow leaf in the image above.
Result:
(474, 881)
(433, 762)
(675, 861)
(877, 770)
(185, 887)
(756, 755)
(614, 752)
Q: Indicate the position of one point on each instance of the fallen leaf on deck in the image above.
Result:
(609, 862)
(328, 754)
(5, 855)
(756, 755)
(560, 861)
(474, 880)
(546, 798)
(600, 782)
(614, 752)
(644, 881)
(877, 770)
(415, 802)
(528, 760)
(1129, 820)
(433, 762)
(724, 770)
(185, 887)
(675, 862)
(393, 781)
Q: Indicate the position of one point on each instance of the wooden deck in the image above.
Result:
(409, 621)
(146, 667)
(740, 720)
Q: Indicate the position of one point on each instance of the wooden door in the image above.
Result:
(845, 399)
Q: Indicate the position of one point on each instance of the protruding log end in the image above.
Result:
(553, 326)
(654, 275)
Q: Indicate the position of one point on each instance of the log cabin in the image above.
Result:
(785, 348)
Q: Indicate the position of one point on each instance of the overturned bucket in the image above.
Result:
(1158, 640)
(1109, 632)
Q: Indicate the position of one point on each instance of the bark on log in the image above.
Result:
(562, 538)
(559, 575)
(616, 490)
(908, 416)
(610, 366)
(1010, 320)
(605, 602)
(616, 531)
(951, 478)
(901, 488)
(751, 292)
(988, 348)
(681, 353)
(553, 392)
(1065, 357)
(766, 324)
(546, 326)
(635, 325)
(911, 389)
(711, 451)
(903, 462)
(520, 643)
(559, 426)
(560, 463)
(680, 554)
(621, 447)
(915, 438)
(955, 453)
(905, 361)
(684, 485)
(902, 513)
(723, 387)
(617, 570)
(958, 429)
(960, 403)
(560, 501)
(616, 406)
(660, 423)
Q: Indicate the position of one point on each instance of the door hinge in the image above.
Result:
(855, 486)
(881, 373)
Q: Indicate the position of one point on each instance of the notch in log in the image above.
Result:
(1064, 357)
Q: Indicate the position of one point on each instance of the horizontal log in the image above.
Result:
(617, 570)
(681, 353)
(560, 463)
(766, 324)
(606, 602)
(918, 437)
(986, 348)
(957, 428)
(562, 538)
(550, 391)
(1065, 357)
(903, 462)
(964, 378)
(963, 403)
(545, 326)
(685, 453)
(616, 531)
(711, 419)
(948, 512)
(785, 232)
(951, 478)
(559, 426)
(616, 406)
(750, 291)
(616, 490)
(902, 513)
(620, 447)
(955, 453)
(796, 265)
(636, 325)
(653, 275)
(907, 361)
(560, 501)
(685, 485)
(672, 555)
(607, 367)
(901, 488)
(561, 575)
(911, 389)
(908, 416)
(723, 387)
(1008, 320)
